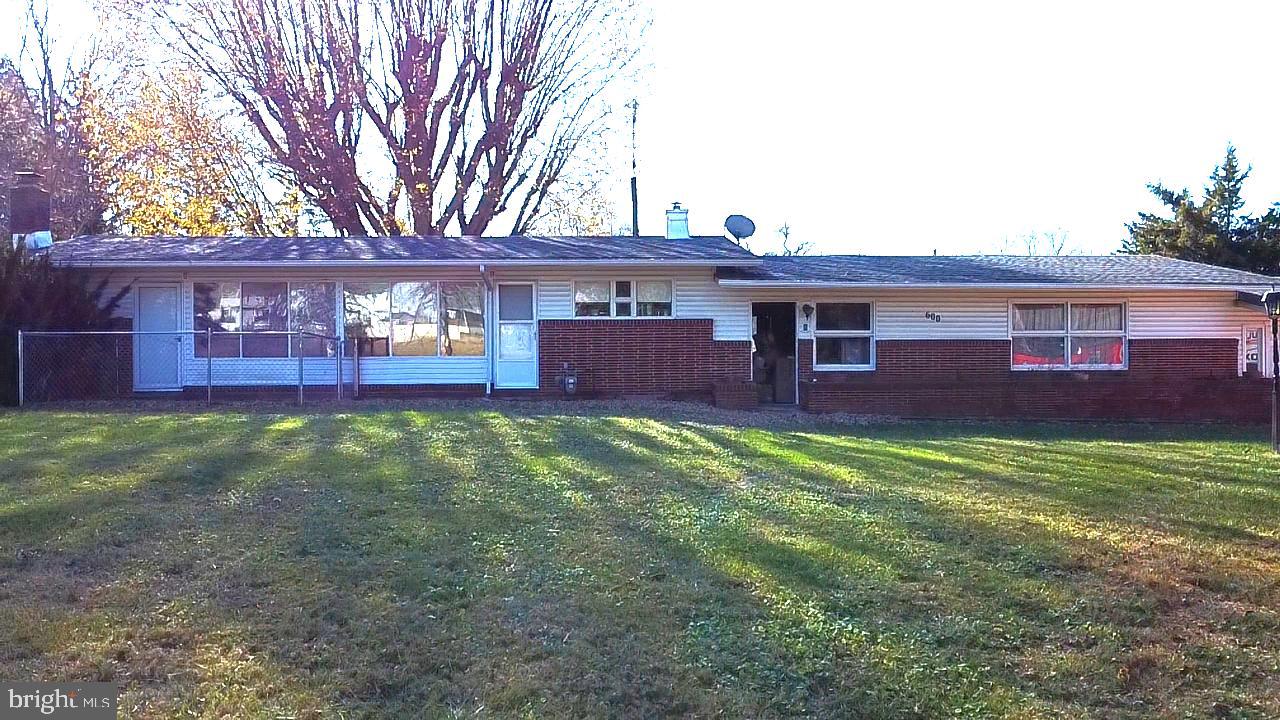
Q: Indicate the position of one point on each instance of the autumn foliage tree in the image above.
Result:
(170, 164)
(478, 105)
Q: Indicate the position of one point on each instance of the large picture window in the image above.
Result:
(414, 319)
(234, 311)
(1056, 336)
(842, 337)
(462, 315)
(622, 298)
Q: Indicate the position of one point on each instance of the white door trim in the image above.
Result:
(177, 330)
(497, 340)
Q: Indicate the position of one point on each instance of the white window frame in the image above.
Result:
(612, 283)
(1067, 333)
(870, 333)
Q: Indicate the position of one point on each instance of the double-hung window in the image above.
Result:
(842, 337)
(622, 298)
(1060, 336)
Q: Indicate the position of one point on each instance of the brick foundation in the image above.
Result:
(1184, 379)
(660, 358)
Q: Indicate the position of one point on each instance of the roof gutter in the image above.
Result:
(267, 264)
(772, 284)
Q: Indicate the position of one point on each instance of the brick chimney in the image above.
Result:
(29, 211)
(677, 223)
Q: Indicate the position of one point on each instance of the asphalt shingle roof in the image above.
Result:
(1107, 270)
(117, 250)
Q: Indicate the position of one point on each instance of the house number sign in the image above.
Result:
(933, 317)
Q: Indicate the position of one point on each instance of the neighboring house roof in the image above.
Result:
(110, 250)
(987, 270)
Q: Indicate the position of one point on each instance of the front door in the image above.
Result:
(157, 347)
(1253, 346)
(517, 362)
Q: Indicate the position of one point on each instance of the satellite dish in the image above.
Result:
(740, 226)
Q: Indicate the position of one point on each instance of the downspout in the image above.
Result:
(491, 338)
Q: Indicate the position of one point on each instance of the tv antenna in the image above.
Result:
(635, 196)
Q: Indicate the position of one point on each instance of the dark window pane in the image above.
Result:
(622, 308)
(1031, 351)
(843, 351)
(515, 302)
(462, 306)
(653, 309)
(264, 307)
(622, 289)
(844, 316)
(217, 308)
(1097, 350)
(367, 318)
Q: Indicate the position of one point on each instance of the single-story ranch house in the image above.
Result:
(679, 316)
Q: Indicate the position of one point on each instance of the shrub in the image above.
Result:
(35, 294)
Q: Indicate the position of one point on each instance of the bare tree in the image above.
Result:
(788, 249)
(1039, 242)
(41, 121)
(480, 105)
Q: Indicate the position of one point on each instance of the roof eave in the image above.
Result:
(819, 285)
(321, 264)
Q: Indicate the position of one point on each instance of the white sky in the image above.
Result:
(904, 127)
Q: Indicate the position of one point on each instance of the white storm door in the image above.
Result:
(516, 365)
(157, 347)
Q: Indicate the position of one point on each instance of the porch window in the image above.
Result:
(264, 308)
(842, 337)
(1058, 336)
(367, 318)
(414, 323)
(311, 310)
(217, 308)
(238, 309)
(414, 318)
(462, 312)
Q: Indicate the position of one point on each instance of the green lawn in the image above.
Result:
(516, 560)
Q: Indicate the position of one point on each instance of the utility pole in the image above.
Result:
(635, 196)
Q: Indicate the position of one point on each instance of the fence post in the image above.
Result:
(355, 370)
(337, 346)
(208, 365)
(300, 358)
(21, 384)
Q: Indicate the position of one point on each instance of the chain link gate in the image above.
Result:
(105, 365)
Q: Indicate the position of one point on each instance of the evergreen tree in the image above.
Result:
(36, 295)
(1215, 230)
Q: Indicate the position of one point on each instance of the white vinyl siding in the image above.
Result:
(984, 314)
(694, 295)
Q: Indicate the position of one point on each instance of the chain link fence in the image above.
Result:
(197, 365)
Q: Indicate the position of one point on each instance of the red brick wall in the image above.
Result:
(665, 358)
(1184, 379)
(1214, 357)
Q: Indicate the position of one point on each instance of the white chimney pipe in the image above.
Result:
(677, 223)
